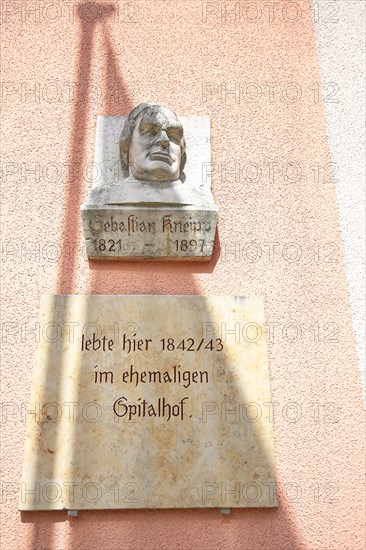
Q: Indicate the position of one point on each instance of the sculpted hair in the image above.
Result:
(126, 136)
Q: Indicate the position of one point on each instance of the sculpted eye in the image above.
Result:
(149, 130)
(175, 136)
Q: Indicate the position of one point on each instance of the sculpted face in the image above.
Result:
(156, 146)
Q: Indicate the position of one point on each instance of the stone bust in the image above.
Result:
(151, 196)
(152, 145)
(141, 159)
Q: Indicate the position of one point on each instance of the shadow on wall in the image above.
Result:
(101, 13)
(93, 527)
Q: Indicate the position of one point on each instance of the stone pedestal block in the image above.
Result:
(149, 233)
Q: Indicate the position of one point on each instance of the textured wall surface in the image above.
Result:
(342, 59)
(255, 72)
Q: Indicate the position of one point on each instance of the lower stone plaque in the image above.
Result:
(149, 402)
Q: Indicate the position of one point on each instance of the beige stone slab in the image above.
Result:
(149, 402)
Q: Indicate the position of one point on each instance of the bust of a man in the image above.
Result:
(152, 146)
(162, 200)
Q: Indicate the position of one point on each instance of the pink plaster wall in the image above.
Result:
(166, 52)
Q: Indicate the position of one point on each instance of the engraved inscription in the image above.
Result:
(172, 233)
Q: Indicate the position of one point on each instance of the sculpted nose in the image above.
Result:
(163, 138)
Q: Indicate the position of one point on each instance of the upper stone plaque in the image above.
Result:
(151, 197)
